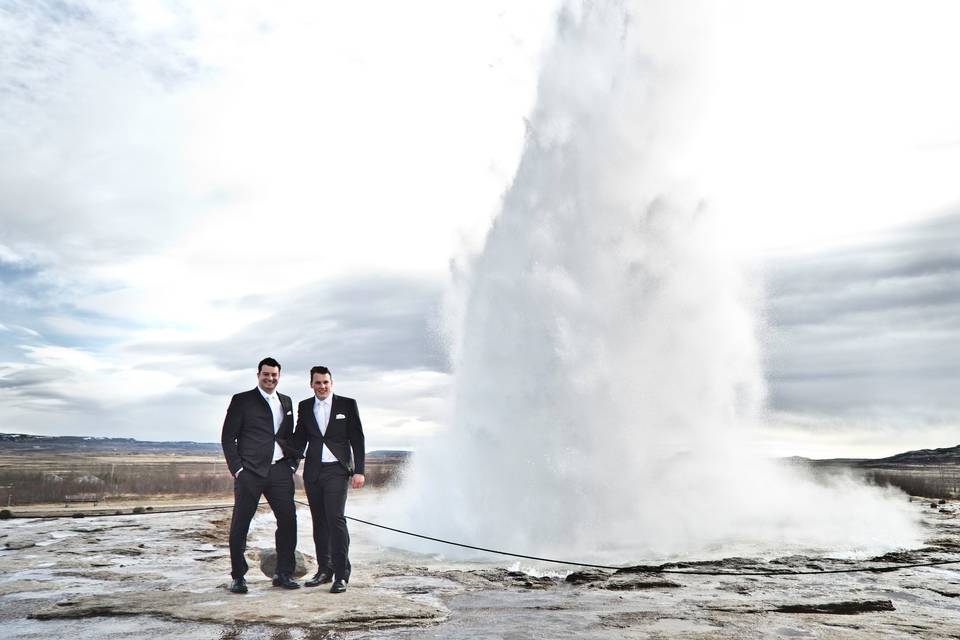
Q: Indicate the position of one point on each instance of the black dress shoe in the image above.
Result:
(338, 587)
(323, 576)
(283, 580)
(239, 585)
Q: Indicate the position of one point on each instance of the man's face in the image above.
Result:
(322, 385)
(268, 378)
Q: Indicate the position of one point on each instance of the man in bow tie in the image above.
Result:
(257, 443)
(328, 427)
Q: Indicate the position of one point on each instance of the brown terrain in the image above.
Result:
(101, 475)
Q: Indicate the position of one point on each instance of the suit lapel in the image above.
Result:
(313, 417)
(286, 411)
(263, 403)
(333, 406)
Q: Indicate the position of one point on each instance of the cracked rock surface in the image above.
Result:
(131, 576)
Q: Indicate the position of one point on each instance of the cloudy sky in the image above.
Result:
(187, 187)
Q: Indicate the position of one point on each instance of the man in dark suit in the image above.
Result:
(257, 443)
(328, 427)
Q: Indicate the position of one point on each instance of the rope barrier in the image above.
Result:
(628, 569)
(772, 572)
(469, 546)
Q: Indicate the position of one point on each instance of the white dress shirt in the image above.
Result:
(277, 409)
(321, 411)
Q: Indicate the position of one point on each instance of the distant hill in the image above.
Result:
(920, 457)
(949, 455)
(19, 442)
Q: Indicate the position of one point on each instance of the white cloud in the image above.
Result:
(167, 156)
(82, 376)
(176, 180)
(863, 335)
(832, 119)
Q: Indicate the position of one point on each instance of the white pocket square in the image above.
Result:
(289, 413)
(340, 416)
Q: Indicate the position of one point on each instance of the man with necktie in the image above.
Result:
(328, 427)
(257, 443)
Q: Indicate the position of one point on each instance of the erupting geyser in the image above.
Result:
(606, 356)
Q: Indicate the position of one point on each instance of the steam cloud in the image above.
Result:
(606, 352)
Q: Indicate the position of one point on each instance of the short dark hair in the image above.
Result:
(321, 370)
(270, 362)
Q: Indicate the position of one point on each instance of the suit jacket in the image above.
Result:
(248, 437)
(343, 436)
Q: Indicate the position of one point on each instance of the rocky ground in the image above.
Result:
(129, 576)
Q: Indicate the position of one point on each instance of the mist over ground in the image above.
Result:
(605, 342)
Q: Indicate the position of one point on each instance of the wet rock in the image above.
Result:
(898, 557)
(268, 563)
(639, 583)
(798, 562)
(20, 544)
(510, 578)
(731, 565)
(838, 608)
(475, 579)
(367, 609)
(743, 563)
(542, 582)
(104, 528)
(491, 575)
(212, 558)
(106, 576)
(628, 619)
(583, 577)
(645, 568)
(23, 586)
(738, 589)
(528, 581)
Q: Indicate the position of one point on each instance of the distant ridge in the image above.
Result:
(949, 455)
(13, 442)
(919, 457)
(20, 442)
